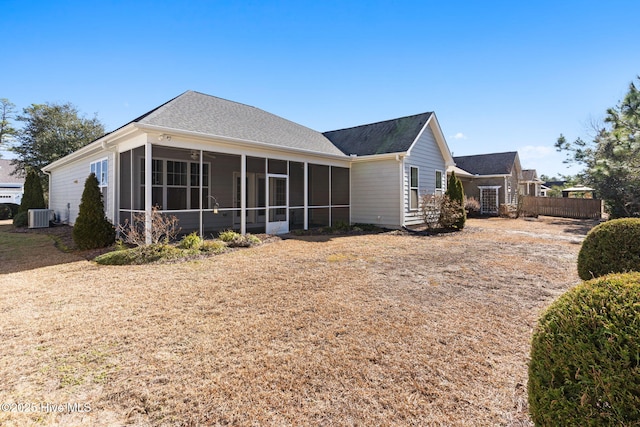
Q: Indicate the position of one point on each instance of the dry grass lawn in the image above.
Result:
(386, 329)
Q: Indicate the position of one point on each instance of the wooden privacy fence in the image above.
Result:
(562, 207)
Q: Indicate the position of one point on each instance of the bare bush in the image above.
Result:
(164, 228)
(438, 210)
(472, 205)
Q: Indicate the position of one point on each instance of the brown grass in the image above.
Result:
(386, 329)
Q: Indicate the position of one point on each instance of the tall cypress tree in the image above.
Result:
(33, 197)
(92, 228)
(455, 191)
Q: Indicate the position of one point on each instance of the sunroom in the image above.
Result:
(210, 190)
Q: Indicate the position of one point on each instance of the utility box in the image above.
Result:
(39, 218)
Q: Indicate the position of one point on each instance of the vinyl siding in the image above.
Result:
(67, 185)
(426, 156)
(376, 193)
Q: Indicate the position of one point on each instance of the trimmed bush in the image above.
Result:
(611, 247)
(92, 228)
(33, 197)
(5, 212)
(585, 356)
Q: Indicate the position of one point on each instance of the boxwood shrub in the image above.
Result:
(611, 247)
(585, 356)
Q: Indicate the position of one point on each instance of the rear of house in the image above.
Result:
(216, 164)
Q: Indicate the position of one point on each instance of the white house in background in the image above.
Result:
(11, 186)
(217, 164)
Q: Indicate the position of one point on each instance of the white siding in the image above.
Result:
(375, 193)
(426, 156)
(67, 185)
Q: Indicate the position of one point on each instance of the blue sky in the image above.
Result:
(500, 75)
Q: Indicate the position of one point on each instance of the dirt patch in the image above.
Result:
(382, 329)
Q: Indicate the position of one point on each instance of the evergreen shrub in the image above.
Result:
(610, 247)
(585, 356)
(92, 228)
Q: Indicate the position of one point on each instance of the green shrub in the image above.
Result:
(585, 356)
(455, 191)
(33, 197)
(141, 255)
(5, 212)
(92, 228)
(228, 235)
(191, 241)
(611, 247)
(21, 219)
(213, 246)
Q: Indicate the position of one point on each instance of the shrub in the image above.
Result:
(585, 363)
(228, 235)
(472, 206)
(33, 197)
(611, 247)
(440, 211)
(213, 246)
(21, 219)
(191, 241)
(141, 255)
(455, 193)
(5, 212)
(240, 241)
(164, 228)
(92, 228)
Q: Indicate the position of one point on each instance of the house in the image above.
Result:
(493, 178)
(11, 186)
(217, 164)
(530, 185)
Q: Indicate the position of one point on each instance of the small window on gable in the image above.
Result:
(439, 182)
(413, 189)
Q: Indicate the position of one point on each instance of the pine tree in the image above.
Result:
(92, 228)
(455, 191)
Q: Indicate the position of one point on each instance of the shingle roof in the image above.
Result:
(529, 175)
(487, 164)
(209, 115)
(6, 168)
(390, 136)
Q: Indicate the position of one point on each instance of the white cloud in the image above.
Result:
(459, 135)
(531, 152)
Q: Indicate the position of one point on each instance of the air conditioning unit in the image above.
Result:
(39, 218)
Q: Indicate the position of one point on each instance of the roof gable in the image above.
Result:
(213, 116)
(390, 136)
(488, 164)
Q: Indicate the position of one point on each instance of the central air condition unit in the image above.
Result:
(39, 218)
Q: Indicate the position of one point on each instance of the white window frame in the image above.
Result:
(439, 189)
(160, 180)
(101, 165)
(414, 189)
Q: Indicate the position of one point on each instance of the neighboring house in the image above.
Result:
(217, 164)
(530, 185)
(11, 186)
(491, 178)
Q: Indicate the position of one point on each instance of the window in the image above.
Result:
(413, 189)
(100, 169)
(439, 182)
(175, 184)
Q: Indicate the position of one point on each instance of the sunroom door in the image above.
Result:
(277, 204)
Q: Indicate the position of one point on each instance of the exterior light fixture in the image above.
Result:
(216, 205)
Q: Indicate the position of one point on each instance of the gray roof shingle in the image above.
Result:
(487, 164)
(210, 115)
(6, 169)
(390, 136)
